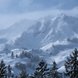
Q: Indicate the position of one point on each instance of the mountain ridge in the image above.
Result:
(49, 30)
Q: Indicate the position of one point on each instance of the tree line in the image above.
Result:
(44, 71)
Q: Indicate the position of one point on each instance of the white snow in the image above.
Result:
(56, 37)
(46, 47)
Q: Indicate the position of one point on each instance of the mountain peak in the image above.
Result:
(48, 30)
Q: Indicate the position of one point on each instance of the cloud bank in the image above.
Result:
(22, 6)
(12, 11)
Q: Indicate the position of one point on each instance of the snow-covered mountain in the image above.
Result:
(49, 38)
(16, 29)
(49, 30)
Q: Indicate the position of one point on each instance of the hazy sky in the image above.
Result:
(21, 6)
(15, 10)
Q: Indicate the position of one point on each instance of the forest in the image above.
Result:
(43, 70)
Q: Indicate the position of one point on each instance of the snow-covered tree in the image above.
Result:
(2, 69)
(41, 70)
(23, 74)
(12, 55)
(9, 72)
(53, 71)
(71, 65)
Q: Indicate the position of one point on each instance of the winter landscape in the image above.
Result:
(38, 39)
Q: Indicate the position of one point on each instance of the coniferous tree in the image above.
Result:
(41, 70)
(12, 55)
(23, 74)
(71, 65)
(2, 69)
(9, 72)
(53, 71)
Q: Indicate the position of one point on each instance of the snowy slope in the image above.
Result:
(49, 38)
(49, 30)
(32, 57)
(16, 29)
(21, 59)
(56, 37)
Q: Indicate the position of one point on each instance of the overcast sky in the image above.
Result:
(14, 10)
